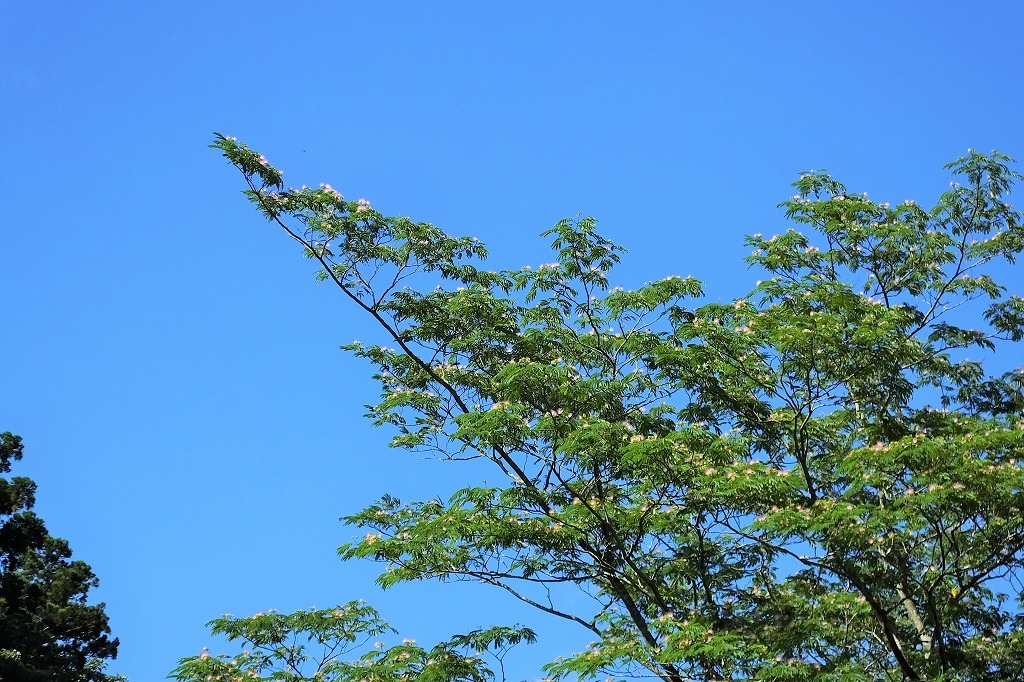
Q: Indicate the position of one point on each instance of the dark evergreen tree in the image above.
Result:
(48, 631)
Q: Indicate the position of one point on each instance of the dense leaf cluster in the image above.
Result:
(48, 632)
(812, 482)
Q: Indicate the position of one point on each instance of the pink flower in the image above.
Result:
(330, 190)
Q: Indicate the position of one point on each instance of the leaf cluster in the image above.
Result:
(341, 644)
(48, 630)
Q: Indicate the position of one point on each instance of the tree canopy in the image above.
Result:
(813, 481)
(48, 631)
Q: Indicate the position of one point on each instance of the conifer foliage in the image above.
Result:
(48, 631)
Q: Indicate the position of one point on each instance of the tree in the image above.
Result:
(812, 482)
(48, 633)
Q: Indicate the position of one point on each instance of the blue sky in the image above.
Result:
(173, 368)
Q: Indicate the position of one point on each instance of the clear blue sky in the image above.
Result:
(173, 368)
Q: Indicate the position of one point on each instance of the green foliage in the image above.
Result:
(48, 633)
(812, 482)
(319, 645)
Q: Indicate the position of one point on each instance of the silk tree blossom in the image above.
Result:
(333, 192)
